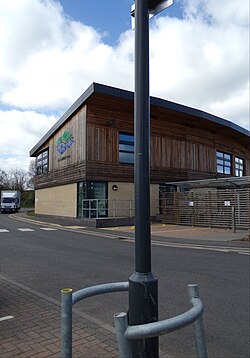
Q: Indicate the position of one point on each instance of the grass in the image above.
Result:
(30, 213)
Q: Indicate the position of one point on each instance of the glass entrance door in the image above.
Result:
(98, 202)
(92, 199)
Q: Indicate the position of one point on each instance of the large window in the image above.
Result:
(126, 148)
(42, 162)
(224, 163)
(239, 167)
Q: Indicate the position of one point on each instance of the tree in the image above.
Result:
(32, 173)
(18, 179)
(3, 179)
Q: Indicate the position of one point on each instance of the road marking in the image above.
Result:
(244, 253)
(6, 318)
(48, 229)
(75, 227)
(4, 230)
(225, 249)
(25, 229)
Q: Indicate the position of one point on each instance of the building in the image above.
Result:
(85, 161)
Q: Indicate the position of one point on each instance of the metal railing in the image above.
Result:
(68, 299)
(96, 208)
(126, 333)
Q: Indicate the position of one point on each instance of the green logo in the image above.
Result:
(64, 142)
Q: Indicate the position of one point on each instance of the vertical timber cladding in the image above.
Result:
(106, 117)
(183, 147)
(67, 147)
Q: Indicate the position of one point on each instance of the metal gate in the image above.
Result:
(209, 208)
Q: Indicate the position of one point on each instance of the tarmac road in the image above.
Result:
(48, 260)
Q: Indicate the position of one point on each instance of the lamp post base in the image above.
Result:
(143, 308)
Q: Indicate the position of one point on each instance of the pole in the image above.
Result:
(143, 292)
(66, 323)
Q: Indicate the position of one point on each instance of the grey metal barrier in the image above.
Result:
(68, 299)
(124, 332)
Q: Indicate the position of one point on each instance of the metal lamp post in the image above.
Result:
(143, 287)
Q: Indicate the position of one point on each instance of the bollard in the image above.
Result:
(66, 322)
(198, 325)
(233, 220)
(121, 324)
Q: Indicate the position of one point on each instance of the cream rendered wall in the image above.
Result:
(58, 201)
(124, 194)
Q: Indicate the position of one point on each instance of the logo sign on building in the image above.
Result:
(64, 142)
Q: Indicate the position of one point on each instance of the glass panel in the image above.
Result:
(227, 170)
(220, 162)
(126, 157)
(126, 137)
(99, 192)
(219, 155)
(227, 156)
(126, 147)
(81, 195)
(219, 169)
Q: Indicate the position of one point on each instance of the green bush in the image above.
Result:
(28, 199)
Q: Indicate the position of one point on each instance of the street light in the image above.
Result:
(143, 287)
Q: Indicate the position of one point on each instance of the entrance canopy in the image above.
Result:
(223, 183)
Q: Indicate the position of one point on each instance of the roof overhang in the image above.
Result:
(222, 183)
(128, 95)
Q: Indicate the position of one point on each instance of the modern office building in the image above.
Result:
(85, 161)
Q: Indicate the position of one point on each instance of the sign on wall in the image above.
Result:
(64, 142)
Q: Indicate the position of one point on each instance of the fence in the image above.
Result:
(126, 333)
(113, 208)
(218, 208)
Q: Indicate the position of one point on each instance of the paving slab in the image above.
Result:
(30, 327)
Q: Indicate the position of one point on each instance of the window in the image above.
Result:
(239, 166)
(126, 148)
(224, 161)
(42, 162)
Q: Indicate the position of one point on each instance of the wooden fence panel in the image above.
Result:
(207, 208)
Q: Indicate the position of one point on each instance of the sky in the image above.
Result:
(51, 51)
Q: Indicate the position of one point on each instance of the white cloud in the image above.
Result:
(51, 61)
(202, 64)
(20, 131)
(47, 60)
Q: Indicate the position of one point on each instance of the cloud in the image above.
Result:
(20, 131)
(203, 61)
(51, 59)
(48, 59)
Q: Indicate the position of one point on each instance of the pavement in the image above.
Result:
(30, 321)
(30, 326)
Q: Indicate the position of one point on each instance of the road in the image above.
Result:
(47, 260)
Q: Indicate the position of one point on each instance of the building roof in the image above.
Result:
(222, 183)
(128, 95)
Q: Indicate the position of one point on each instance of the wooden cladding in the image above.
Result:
(173, 153)
(102, 144)
(209, 208)
(68, 175)
(183, 147)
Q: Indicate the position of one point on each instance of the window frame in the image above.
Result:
(224, 161)
(239, 166)
(42, 162)
(127, 147)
